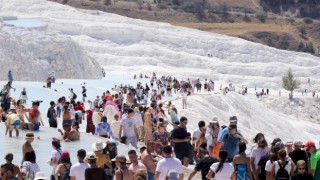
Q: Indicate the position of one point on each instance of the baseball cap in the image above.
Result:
(309, 144)
(233, 119)
(65, 154)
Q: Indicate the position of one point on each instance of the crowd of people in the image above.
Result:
(139, 117)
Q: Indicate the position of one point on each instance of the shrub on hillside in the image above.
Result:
(291, 20)
(176, 2)
(308, 20)
(162, 6)
(188, 7)
(262, 16)
(149, 7)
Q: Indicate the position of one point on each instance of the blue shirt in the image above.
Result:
(231, 144)
(104, 127)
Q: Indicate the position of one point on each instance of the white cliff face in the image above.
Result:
(123, 44)
(32, 54)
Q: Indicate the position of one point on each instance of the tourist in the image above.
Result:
(196, 133)
(84, 93)
(167, 164)
(52, 115)
(70, 133)
(137, 116)
(90, 128)
(10, 77)
(34, 118)
(103, 129)
(276, 146)
(9, 158)
(259, 151)
(94, 172)
(21, 111)
(242, 168)
(55, 156)
(130, 130)
(222, 169)
(184, 95)
(66, 115)
(27, 147)
(140, 174)
(77, 170)
(148, 125)
(102, 159)
(212, 133)
(123, 172)
(299, 154)
(180, 139)
(63, 168)
(174, 114)
(111, 148)
(96, 116)
(283, 162)
(59, 106)
(135, 164)
(7, 172)
(23, 96)
(29, 166)
(160, 137)
(301, 173)
(148, 160)
(231, 140)
(203, 164)
(115, 125)
(13, 121)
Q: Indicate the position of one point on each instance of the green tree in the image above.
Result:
(289, 83)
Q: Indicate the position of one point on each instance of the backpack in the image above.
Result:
(66, 175)
(74, 96)
(282, 173)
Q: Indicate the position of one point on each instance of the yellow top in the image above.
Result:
(12, 118)
(101, 159)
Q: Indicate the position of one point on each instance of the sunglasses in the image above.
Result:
(301, 168)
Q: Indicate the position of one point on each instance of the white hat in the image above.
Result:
(98, 146)
(91, 155)
(40, 175)
(214, 120)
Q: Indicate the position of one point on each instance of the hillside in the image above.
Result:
(245, 19)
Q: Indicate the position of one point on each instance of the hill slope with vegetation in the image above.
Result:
(289, 25)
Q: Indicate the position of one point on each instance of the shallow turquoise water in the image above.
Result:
(26, 23)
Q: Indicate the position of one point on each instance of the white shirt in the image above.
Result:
(96, 118)
(287, 167)
(77, 170)
(136, 167)
(138, 118)
(128, 127)
(29, 167)
(268, 167)
(184, 95)
(115, 127)
(167, 164)
(225, 173)
(196, 133)
(257, 153)
(55, 154)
